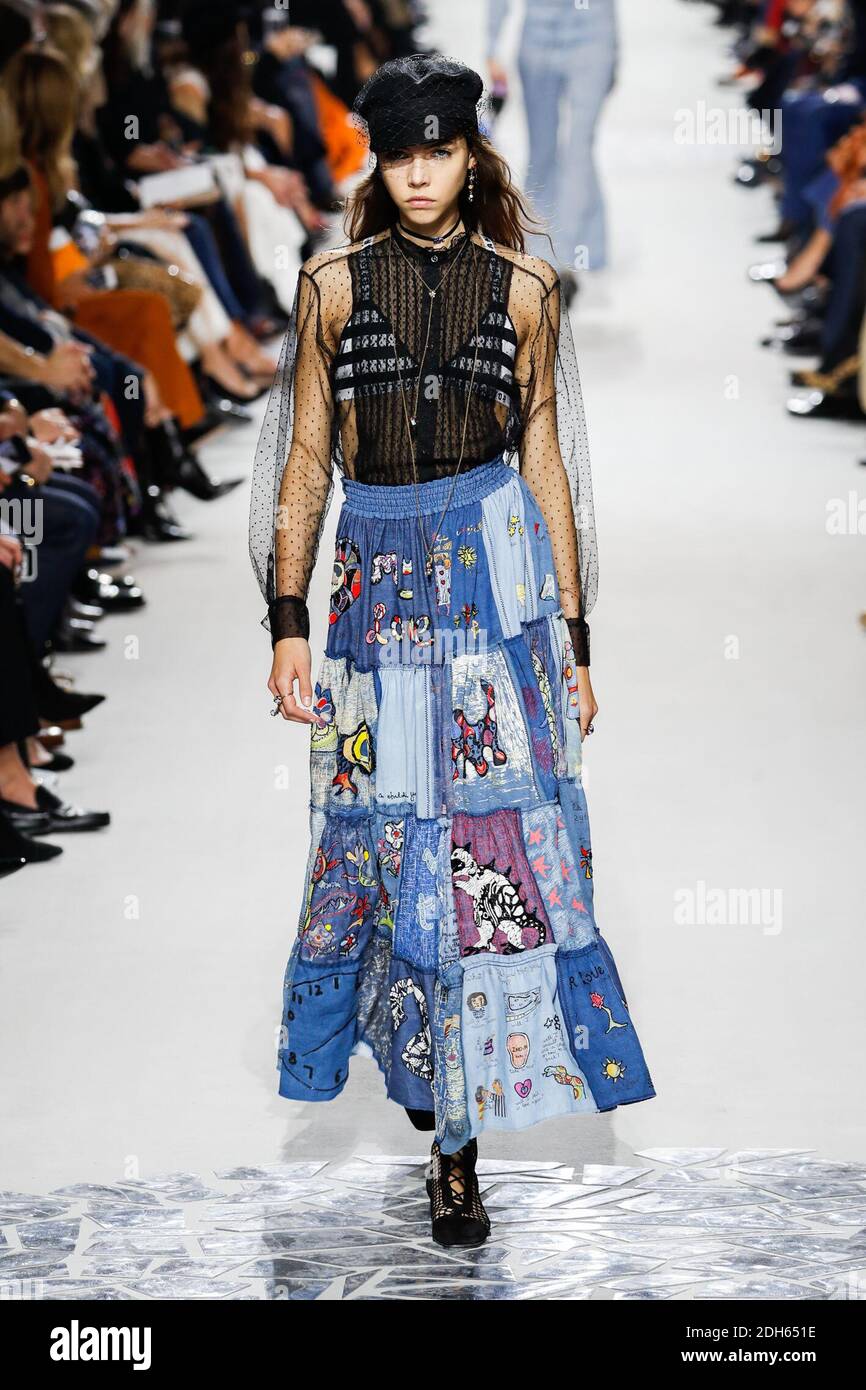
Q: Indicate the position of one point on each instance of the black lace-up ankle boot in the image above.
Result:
(456, 1210)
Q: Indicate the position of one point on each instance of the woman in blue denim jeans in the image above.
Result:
(567, 61)
(446, 927)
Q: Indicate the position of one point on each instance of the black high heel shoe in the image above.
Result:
(457, 1214)
(192, 477)
(218, 413)
(178, 467)
(11, 857)
(216, 388)
(55, 702)
(17, 849)
(156, 521)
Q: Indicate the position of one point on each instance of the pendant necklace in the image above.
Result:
(411, 421)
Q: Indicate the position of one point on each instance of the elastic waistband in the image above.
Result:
(381, 499)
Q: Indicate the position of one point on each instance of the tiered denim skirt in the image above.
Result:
(447, 926)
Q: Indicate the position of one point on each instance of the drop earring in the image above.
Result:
(471, 184)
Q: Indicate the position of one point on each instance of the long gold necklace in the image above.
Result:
(432, 294)
(412, 420)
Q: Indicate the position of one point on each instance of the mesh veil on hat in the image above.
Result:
(417, 100)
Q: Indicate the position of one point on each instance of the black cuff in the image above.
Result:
(579, 630)
(288, 617)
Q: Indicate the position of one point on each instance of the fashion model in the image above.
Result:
(447, 925)
(566, 59)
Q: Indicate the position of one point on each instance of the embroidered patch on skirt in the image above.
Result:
(447, 925)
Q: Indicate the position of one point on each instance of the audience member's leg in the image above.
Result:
(841, 333)
(18, 716)
(66, 527)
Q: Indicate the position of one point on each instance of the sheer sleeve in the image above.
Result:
(293, 472)
(554, 448)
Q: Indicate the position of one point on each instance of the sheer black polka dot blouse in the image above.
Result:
(395, 348)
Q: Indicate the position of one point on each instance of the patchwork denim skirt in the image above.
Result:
(447, 926)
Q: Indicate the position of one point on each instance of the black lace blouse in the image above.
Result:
(358, 327)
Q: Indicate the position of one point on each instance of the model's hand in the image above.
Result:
(292, 664)
(586, 700)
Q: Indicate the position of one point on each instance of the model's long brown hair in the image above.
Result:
(499, 208)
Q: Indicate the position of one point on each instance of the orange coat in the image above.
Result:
(345, 147)
(136, 323)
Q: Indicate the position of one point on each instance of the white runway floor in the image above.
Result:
(142, 971)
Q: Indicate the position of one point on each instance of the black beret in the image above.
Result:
(418, 100)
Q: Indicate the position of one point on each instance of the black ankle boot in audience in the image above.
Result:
(176, 466)
(196, 481)
(156, 521)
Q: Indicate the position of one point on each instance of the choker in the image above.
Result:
(433, 250)
(425, 236)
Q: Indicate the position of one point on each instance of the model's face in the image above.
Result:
(425, 180)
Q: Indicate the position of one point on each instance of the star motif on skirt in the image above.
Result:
(577, 905)
(534, 837)
(540, 866)
(566, 869)
(554, 899)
